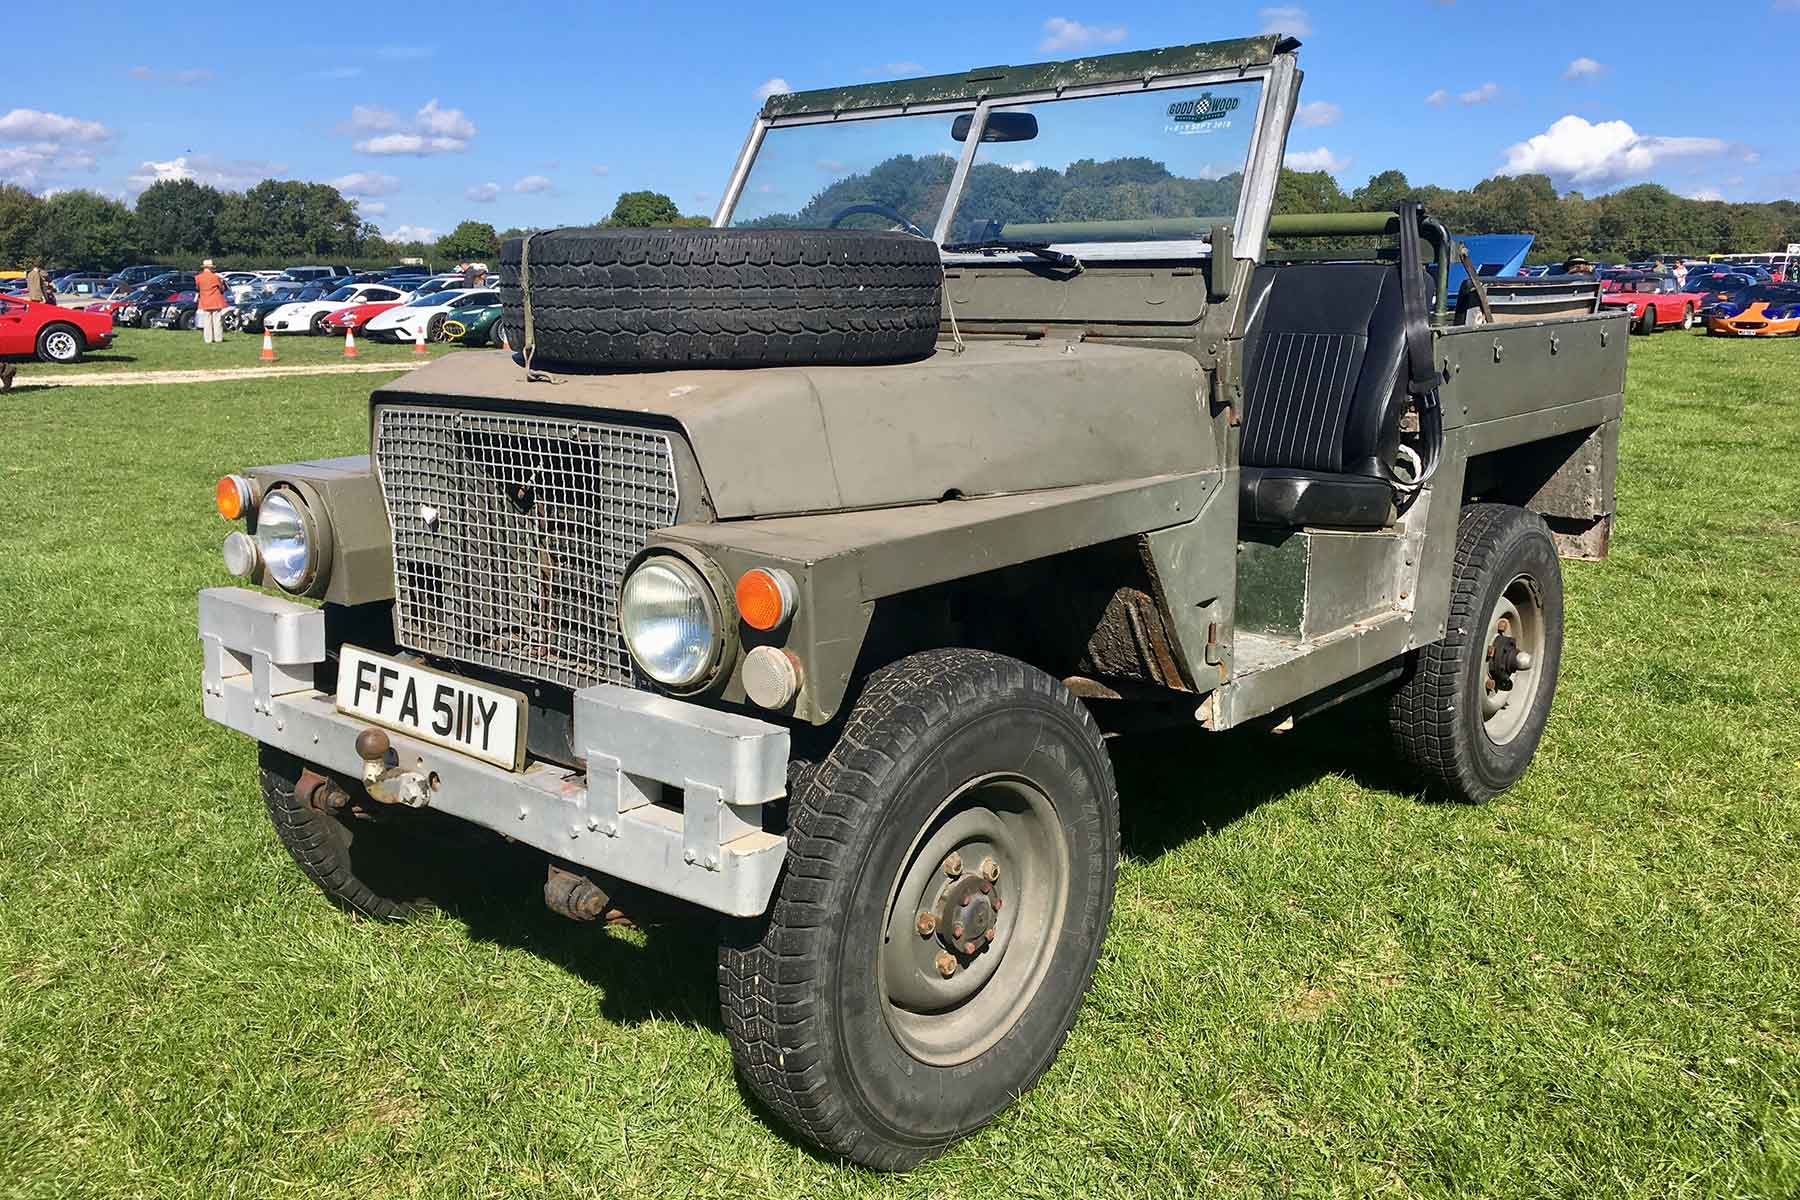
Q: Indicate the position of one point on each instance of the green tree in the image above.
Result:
(469, 240)
(179, 217)
(641, 210)
(85, 229)
(20, 217)
(285, 218)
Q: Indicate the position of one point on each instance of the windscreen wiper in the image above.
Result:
(993, 245)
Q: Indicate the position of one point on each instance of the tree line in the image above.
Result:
(289, 220)
(276, 221)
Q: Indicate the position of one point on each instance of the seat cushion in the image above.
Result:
(1288, 496)
(1323, 349)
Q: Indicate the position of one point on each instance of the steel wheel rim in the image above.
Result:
(948, 1020)
(60, 345)
(1512, 661)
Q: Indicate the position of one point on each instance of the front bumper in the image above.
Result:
(709, 848)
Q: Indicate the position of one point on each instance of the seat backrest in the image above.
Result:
(1323, 351)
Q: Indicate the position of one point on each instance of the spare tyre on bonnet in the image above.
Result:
(721, 297)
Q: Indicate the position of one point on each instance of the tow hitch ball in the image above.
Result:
(390, 785)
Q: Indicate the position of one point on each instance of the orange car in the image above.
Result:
(1772, 310)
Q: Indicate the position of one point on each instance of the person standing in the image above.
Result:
(37, 284)
(210, 292)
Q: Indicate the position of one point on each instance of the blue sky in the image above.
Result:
(549, 111)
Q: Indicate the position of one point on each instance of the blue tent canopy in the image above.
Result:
(1494, 254)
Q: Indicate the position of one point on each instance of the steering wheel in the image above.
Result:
(880, 210)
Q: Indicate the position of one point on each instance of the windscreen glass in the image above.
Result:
(879, 173)
(1145, 166)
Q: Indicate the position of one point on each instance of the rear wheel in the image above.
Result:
(59, 344)
(1472, 708)
(948, 886)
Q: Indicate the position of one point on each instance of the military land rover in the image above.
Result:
(798, 567)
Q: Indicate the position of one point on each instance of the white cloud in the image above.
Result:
(600, 169)
(1060, 33)
(1285, 18)
(410, 233)
(411, 143)
(772, 87)
(30, 125)
(27, 166)
(1023, 165)
(368, 118)
(228, 174)
(1705, 194)
(1480, 95)
(1576, 151)
(1438, 98)
(371, 208)
(532, 183)
(366, 183)
(483, 193)
(1318, 112)
(444, 122)
(1321, 159)
(1583, 68)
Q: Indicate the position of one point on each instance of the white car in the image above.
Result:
(427, 313)
(308, 316)
(243, 286)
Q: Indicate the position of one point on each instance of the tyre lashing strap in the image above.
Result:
(530, 349)
(1423, 377)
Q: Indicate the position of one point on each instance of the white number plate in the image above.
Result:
(486, 722)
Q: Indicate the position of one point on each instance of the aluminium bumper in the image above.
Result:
(260, 652)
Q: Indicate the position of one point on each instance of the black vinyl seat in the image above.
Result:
(1323, 392)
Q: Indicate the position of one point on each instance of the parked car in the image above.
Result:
(183, 312)
(1767, 310)
(82, 284)
(308, 316)
(1655, 300)
(53, 334)
(136, 308)
(314, 274)
(1716, 290)
(355, 316)
(132, 277)
(427, 313)
(252, 313)
(242, 285)
(474, 326)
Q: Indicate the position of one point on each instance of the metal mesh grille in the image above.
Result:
(512, 533)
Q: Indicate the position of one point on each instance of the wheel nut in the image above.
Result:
(956, 931)
(946, 963)
(969, 947)
(990, 870)
(953, 864)
(1522, 660)
(1504, 624)
(927, 924)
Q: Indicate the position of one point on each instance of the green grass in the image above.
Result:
(1314, 983)
(183, 350)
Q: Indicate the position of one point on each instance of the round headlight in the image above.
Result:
(670, 621)
(284, 535)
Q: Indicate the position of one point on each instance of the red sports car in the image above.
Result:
(1655, 300)
(56, 335)
(355, 316)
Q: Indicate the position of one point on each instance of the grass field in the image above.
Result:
(1314, 983)
(183, 350)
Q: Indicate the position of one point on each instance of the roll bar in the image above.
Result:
(1373, 224)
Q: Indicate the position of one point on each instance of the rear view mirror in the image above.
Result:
(1000, 127)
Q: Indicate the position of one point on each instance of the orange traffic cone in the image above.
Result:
(419, 340)
(504, 344)
(268, 351)
(349, 342)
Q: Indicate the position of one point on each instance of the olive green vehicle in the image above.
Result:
(830, 650)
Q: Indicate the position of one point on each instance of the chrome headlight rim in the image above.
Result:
(315, 532)
(707, 583)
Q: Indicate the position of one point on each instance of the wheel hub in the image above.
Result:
(967, 915)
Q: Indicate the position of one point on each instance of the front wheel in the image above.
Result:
(316, 326)
(1687, 317)
(1647, 322)
(1471, 710)
(434, 329)
(948, 886)
(59, 344)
